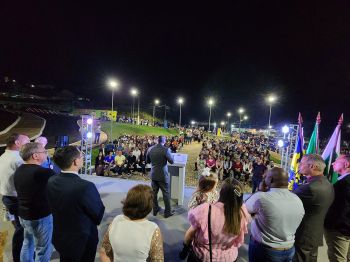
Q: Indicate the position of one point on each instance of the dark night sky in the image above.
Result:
(236, 52)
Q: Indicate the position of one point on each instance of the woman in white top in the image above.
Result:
(131, 237)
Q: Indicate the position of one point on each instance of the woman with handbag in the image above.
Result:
(218, 239)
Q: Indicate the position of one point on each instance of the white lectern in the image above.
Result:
(177, 173)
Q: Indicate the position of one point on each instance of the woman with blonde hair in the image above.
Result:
(130, 236)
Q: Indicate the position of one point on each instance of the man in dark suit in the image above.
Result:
(76, 208)
(158, 155)
(337, 222)
(317, 195)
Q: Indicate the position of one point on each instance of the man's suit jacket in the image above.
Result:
(77, 209)
(338, 216)
(158, 155)
(317, 196)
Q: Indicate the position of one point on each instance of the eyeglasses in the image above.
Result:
(42, 152)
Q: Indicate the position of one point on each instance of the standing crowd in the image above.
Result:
(64, 210)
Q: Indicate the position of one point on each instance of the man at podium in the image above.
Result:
(158, 155)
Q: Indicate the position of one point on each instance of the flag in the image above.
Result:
(332, 151)
(313, 143)
(294, 176)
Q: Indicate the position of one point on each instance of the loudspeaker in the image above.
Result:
(62, 141)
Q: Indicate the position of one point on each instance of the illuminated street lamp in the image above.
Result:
(270, 100)
(156, 103)
(113, 85)
(180, 101)
(135, 93)
(210, 104)
(228, 115)
(240, 112)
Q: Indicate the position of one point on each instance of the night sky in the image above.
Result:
(237, 52)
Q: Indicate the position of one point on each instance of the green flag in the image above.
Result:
(311, 148)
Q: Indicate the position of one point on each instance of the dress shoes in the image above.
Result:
(172, 212)
(155, 211)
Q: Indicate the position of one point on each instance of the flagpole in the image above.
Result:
(340, 122)
(318, 121)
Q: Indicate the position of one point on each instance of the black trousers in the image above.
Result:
(88, 255)
(11, 203)
(305, 254)
(156, 185)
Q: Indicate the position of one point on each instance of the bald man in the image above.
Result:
(278, 214)
(317, 196)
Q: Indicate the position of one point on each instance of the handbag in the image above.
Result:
(192, 257)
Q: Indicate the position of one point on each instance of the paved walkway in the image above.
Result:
(29, 124)
(192, 150)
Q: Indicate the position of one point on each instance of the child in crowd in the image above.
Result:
(211, 163)
(206, 191)
(201, 163)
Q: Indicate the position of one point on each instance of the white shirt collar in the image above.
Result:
(70, 172)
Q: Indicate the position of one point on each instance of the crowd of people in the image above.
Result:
(244, 157)
(126, 155)
(64, 210)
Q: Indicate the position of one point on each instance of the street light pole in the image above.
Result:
(112, 113)
(209, 117)
(180, 100)
(240, 111)
(133, 110)
(270, 99)
(270, 116)
(113, 84)
(180, 117)
(138, 109)
(156, 102)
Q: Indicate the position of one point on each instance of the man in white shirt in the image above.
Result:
(137, 153)
(278, 214)
(9, 162)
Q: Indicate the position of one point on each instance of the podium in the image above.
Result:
(177, 172)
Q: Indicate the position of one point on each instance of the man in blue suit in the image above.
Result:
(76, 208)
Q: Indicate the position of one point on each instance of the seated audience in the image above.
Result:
(120, 163)
(99, 164)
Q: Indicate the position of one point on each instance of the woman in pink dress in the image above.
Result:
(229, 221)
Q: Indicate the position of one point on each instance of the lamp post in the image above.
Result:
(270, 100)
(134, 92)
(113, 85)
(228, 115)
(180, 101)
(156, 103)
(245, 118)
(210, 104)
(240, 112)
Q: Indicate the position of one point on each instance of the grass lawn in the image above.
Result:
(120, 129)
